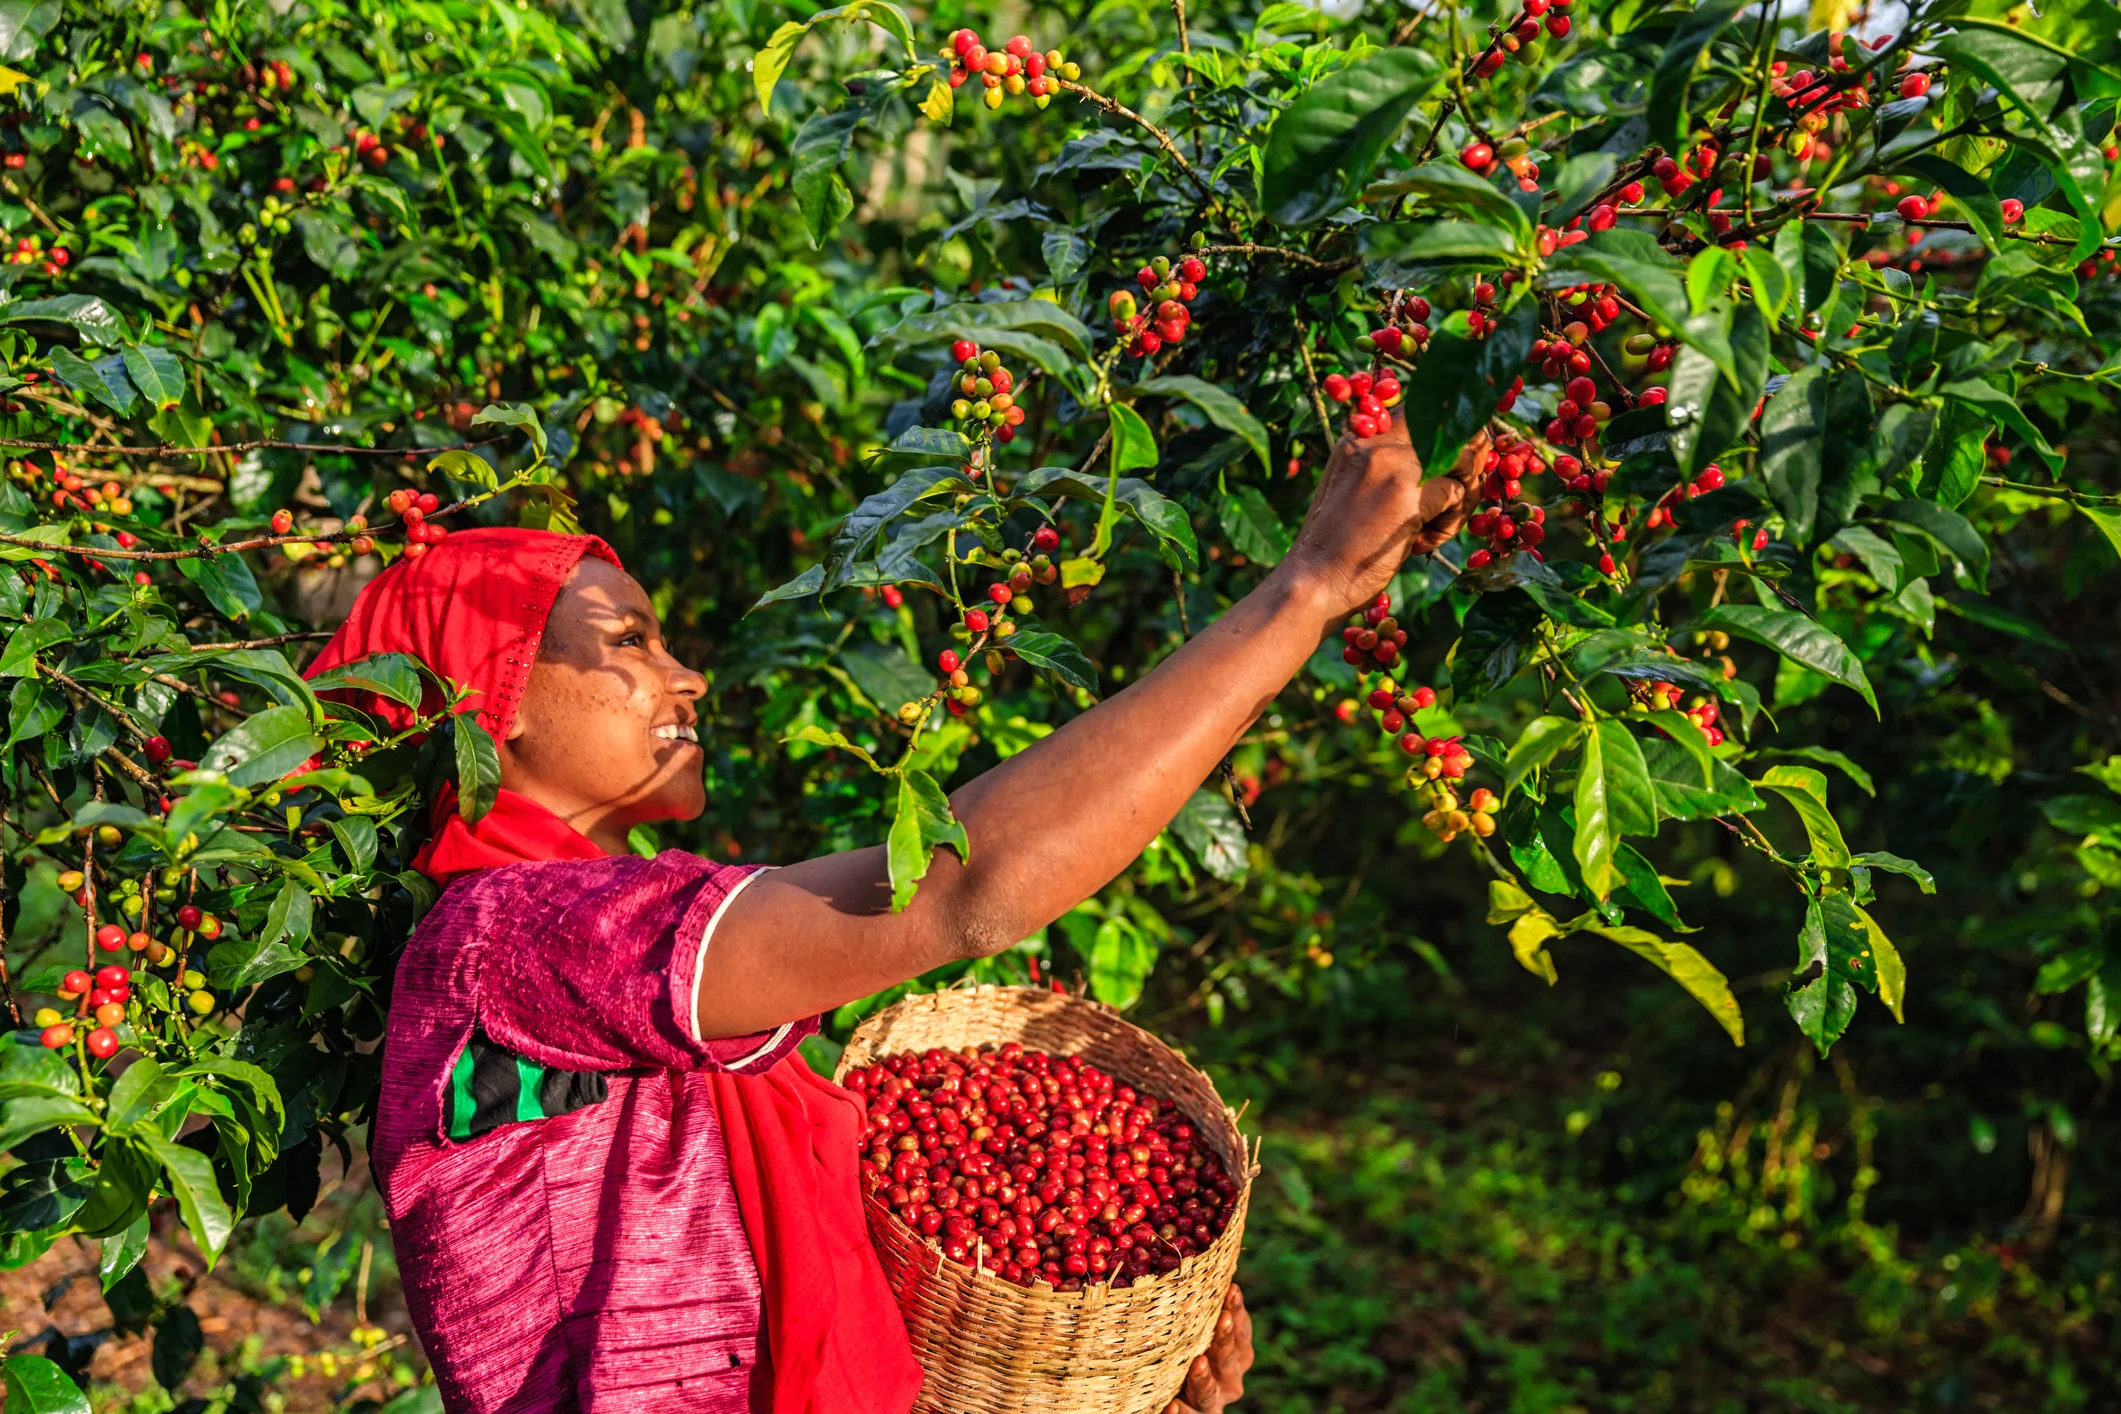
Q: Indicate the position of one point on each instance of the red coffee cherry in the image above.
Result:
(1912, 208)
(188, 917)
(56, 1037)
(74, 983)
(155, 749)
(103, 1043)
(110, 937)
(282, 521)
(1914, 85)
(2013, 210)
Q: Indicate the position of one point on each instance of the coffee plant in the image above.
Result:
(1756, 341)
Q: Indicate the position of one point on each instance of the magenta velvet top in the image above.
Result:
(549, 1152)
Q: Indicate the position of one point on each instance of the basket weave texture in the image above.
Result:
(989, 1346)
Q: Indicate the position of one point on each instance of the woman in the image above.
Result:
(611, 1184)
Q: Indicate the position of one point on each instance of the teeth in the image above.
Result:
(677, 733)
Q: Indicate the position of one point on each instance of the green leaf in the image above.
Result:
(1037, 329)
(122, 1253)
(131, 1097)
(1668, 115)
(33, 1114)
(1895, 864)
(2108, 521)
(1453, 393)
(770, 63)
(1497, 631)
(104, 380)
(1541, 741)
(1056, 655)
(34, 707)
(923, 824)
(1211, 831)
(1688, 738)
(1614, 797)
(37, 1386)
(478, 768)
(1165, 518)
(1252, 528)
(2028, 74)
(1448, 183)
(27, 641)
(819, 147)
(468, 467)
(1792, 429)
(178, 1341)
(1645, 889)
(1683, 964)
(513, 415)
(1805, 790)
(2084, 814)
(867, 520)
(227, 583)
(822, 737)
(1121, 959)
(1851, 951)
(90, 317)
(1675, 778)
(392, 675)
(1324, 145)
(1439, 243)
(1950, 530)
(1827, 756)
(1710, 414)
(1801, 639)
(190, 1176)
(1222, 408)
(276, 949)
(157, 373)
(1955, 455)
(264, 747)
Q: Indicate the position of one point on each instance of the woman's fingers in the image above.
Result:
(1216, 1378)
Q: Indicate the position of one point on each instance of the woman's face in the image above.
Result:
(605, 735)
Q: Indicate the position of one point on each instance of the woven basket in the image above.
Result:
(990, 1346)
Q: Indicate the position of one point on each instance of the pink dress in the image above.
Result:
(550, 1156)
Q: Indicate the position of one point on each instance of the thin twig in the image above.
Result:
(334, 448)
(1295, 257)
(1121, 110)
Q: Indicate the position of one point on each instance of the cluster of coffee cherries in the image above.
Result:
(1702, 710)
(1373, 637)
(1039, 1168)
(75, 493)
(1504, 520)
(1406, 328)
(1579, 415)
(1394, 706)
(1712, 646)
(413, 508)
(1169, 286)
(978, 626)
(1664, 512)
(1819, 102)
(1512, 153)
(985, 406)
(1522, 40)
(1374, 395)
(1646, 353)
(29, 250)
(1447, 818)
(1015, 68)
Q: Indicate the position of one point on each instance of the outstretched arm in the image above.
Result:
(1059, 820)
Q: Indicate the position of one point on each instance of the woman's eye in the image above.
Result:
(632, 640)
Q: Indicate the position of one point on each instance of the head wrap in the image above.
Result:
(473, 608)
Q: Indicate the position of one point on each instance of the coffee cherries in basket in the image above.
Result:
(1039, 1167)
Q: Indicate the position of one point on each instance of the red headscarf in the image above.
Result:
(473, 608)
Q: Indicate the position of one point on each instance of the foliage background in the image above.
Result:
(1481, 1193)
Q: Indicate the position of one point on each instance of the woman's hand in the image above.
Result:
(1217, 1378)
(1374, 507)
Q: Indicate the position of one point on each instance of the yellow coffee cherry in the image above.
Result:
(193, 979)
(200, 1002)
(48, 1016)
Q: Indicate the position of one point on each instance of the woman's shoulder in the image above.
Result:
(623, 882)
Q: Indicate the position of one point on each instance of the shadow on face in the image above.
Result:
(606, 735)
